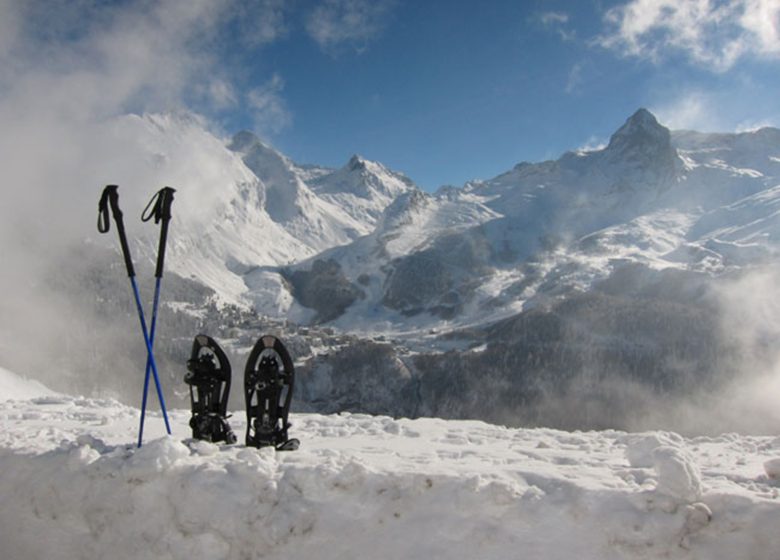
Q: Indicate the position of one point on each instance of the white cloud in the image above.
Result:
(711, 34)
(574, 80)
(694, 110)
(269, 109)
(70, 72)
(550, 18)
(557, 21)
(347, 22)
(593, 144)
(713, 110)
(68, 68)
(753, 125)
(9, 26)
(221, 94)
(263, 21)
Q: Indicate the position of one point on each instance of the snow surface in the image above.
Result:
(74, 486)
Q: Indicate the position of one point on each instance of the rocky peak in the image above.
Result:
(243, 141)
(642, 150)
(641, 131)
(356, 163)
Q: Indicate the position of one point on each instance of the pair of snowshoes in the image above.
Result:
(268, 385)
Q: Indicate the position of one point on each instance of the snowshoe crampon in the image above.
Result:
(268, 387)
(208, 375)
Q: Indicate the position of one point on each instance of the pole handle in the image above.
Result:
(110, 199)
(159, 208)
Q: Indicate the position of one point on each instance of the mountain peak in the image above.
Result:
(642, 152)
(643, 117)
(242, 141)
(641, 130)
(356, 163)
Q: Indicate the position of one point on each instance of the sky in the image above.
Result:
(443, 91)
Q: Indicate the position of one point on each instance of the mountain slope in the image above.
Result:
(241, 205)
(680, 200)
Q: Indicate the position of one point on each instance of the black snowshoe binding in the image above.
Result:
(208, 376)
(268, 387)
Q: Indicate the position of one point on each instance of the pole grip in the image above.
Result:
(159, 208)
(110, 199)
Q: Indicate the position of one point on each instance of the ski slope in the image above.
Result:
(74, 486)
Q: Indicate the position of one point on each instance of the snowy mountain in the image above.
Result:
(591, 291)
(75, 486)
(363, 188)
(397, 259)
(241, 204)
(683, 200)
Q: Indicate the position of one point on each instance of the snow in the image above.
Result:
(74, 486)
(13, 386)
(703, 203)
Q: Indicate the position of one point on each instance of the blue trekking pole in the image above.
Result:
(110, 197)
(159, 208)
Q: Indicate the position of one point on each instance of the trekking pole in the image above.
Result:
(159, 208)
(110, 198)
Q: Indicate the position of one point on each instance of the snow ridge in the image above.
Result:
(74, 486)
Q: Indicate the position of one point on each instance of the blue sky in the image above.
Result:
(450, 91)
(444, 91)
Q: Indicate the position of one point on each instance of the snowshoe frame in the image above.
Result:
(208, 376)
(268, 387)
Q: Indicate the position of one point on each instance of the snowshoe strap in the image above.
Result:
(212, 427)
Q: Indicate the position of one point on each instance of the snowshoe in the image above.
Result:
(208, 375)
(268, 387)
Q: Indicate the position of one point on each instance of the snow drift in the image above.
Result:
(74, 486)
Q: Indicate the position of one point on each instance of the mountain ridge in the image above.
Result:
(626, 191)
(487, 249)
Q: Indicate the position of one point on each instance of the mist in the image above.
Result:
(94, 94)
(745, 399)
(712, 364)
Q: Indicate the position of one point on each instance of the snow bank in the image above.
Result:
(12, 386)
(73, 486)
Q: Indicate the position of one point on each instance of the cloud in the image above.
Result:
(714, 110)
(335, 23)
(63, 77)
(593, 144)
(67, 68)
(552, 18)
(693, 110)
(75, 76)
(714, 35)
(574, 80)
(263, 21)
(221, 94)
(751, 125)
(269, 110)
(557, 21)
